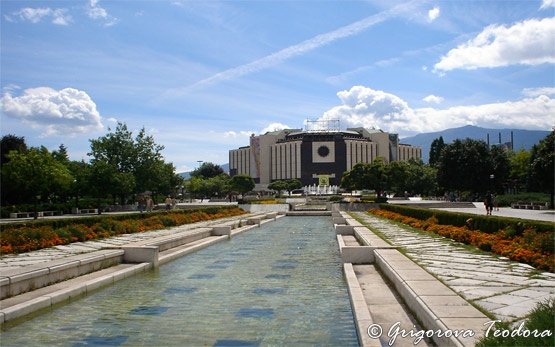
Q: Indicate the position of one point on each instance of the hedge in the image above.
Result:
(486, 224)
(38, 234)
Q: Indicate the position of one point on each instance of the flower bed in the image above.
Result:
(25, 237)
(530, 246)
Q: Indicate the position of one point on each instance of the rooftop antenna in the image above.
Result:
(328, 125)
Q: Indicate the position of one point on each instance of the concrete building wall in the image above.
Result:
(309, 156)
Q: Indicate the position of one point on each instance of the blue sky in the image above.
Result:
(201, 76)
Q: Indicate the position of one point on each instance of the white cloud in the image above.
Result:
(433, 99)
(65, 112)
(365, 107)
(433, 14)
(533, 92)
(529, 43)
(96, 12)
(274, 127)
(547, 4)
(237, 134)
(59, 16)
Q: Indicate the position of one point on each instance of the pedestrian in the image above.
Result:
(168, 203)
(149, 204)
(142, 203)
(489, 203)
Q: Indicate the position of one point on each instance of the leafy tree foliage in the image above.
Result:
(518, 169)
(207, 170)
(465, 165)
(367, 176)
(242, 183)
(287, 185)
(435, 150)
(36, 175)
(133, 165)
(10, 143)
(541, 173)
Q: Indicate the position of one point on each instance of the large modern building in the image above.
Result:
(318, 157)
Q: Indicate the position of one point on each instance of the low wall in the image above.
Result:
(255, 208)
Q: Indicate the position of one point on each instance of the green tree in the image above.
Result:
(242, 183)
(465, 165)
(10, 143)
(293, 184)
(421, 178)
(357, 178)
(137, 161)
(541, 174)
(8, 192)
(377, 176)
(518, 169)
(207, 170)
(398, 177)
(435, 151)
(36, 174)
(278, 186)
(500, 168)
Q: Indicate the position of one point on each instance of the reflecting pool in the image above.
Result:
(280, 284)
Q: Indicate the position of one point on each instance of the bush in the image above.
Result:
(508, 199)
(33, 235)
(487, 224)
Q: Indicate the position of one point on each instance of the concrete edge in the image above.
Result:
(361, 314)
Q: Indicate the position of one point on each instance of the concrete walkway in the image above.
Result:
(12, 261)
(506, 289)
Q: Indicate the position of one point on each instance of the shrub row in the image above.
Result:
(25, 237)
(532, 247)
(486, 224)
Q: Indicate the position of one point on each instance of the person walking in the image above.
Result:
(168, 203)
(489, 203)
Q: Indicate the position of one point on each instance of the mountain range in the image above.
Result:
(522, 139)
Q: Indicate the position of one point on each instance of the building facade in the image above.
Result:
(315, 157)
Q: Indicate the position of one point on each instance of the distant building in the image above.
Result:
(317, 157)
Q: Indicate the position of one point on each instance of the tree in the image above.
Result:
(398, 177)
(435, 151)
(540, 177)
(500, 168)
(242, 183)
(377, 176)
(518, 169)
(292, 184)
(358, 178)
(36, 174)
(421, 178)
(139, 159)
(10, 143)
(207, 170)
(465, 165)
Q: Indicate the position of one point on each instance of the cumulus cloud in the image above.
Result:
(237, 134)
(547, 4)
(433, 14)
(59, 112)
(365, 107)
(58, 16)
(94, 11)
(529, 42)
(274, 127)
(433, 99)
(533, 92)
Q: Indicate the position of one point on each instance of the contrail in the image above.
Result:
(298, 49)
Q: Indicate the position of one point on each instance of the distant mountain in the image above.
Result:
(523, 139)
(187, 175)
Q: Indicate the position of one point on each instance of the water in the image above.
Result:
(280, 284)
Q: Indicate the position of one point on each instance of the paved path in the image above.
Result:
(543, 215)
(506, 289)
(10, 261)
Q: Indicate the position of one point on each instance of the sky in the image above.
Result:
(202, 76)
